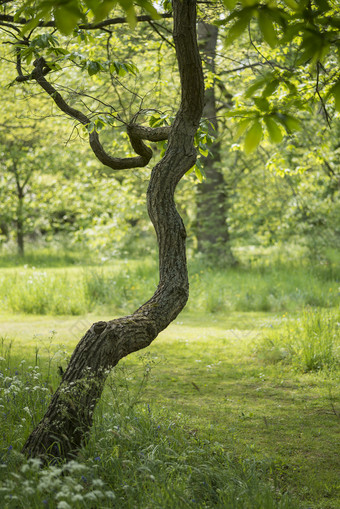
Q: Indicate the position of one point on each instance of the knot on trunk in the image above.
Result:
(98, 327)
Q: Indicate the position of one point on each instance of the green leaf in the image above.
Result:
(253, 137)
(270, 87)
(93, 68)
(239, 26)
(292, 4)
(199, 174)
(31, 25)
(122, 68)
(102, 9)
(274, 131)
(242, 127)
(90, 127)
(255, 86)
(261, 103)
(267, 28)
(131, 17)
(335, 91)
(149, 7)
(293, 124)
(289, 122)
(230, 4)
(66, 18)
(203, 151)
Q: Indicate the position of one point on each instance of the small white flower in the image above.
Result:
(77, 498)
(63, 505)
(97, 482)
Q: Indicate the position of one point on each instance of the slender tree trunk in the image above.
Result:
(20, 225)
(4, 229)
(68, 419)
(212, 208)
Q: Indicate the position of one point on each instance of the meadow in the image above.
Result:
(236, 405)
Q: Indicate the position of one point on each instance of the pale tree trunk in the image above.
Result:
(68, 420)
(212, 206)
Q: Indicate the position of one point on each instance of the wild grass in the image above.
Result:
(137, 456)
(48, 256)
(125, 285)
(200, 420)
(310, 342)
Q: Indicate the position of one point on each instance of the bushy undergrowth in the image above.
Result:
(137, 456)
(310, 342)
(125, 285)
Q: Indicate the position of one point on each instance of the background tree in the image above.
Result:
(212, 228)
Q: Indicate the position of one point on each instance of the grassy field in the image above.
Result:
(235, 405)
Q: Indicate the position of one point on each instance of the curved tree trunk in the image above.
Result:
(212, 206)
(68, 419)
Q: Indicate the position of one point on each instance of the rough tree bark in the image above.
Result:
(68, 419)
(212, 210)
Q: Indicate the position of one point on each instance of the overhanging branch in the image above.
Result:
(83, 26)
(135, 132)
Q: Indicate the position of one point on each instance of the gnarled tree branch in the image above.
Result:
(136, 133)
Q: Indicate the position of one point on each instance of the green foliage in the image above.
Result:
(302, 40)
(203, 139)
(253, 137)
(69, 13)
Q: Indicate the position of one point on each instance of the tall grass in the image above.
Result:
(48, 256)
(310, 342)
(42, 292)
(137, 456)
(125, 285)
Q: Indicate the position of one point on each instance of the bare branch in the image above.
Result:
(83, 26)
(154, 27)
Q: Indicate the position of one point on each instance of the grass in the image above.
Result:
(310, 342)
(137, 456)
(235, 405)
(122, 286)
(215, 419)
